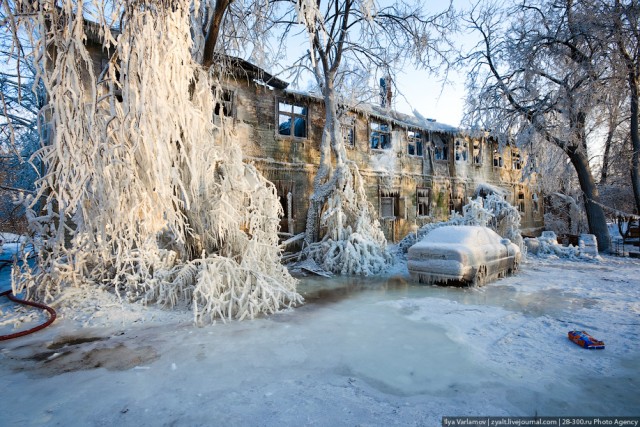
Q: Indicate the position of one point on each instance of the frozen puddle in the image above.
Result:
(409, 340)
(370, 337)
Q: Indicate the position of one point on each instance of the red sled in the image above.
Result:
(585, 340)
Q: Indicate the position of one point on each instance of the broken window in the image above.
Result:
(477, 152)
(497, 159)
(521, 204)
(348, 129)
(440, 150)
(292, 120)
(285, 192)
(224, 102)
(462, 150)
(380, 135)
(516, 161)
(422, 201)
(415, 143)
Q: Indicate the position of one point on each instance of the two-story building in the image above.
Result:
(416, 170)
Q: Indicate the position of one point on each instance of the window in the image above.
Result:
(497, 159)
(224, 102)
(521, 202)
(389, 204)
(380, 135)
(285, 192)
(292, 120)
(462, 150)
(422, 202)
(516, 161)
(415, 141)
(348, 128)
(440, 150)
(387, 207)
(476, 155)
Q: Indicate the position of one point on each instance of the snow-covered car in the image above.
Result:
(468, 255)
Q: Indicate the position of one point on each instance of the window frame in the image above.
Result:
(292, 117)
(461, 154)
(229, 104)
(521, 202)
(381, 132)
(497, 155)
(415, 142)
(444, 146)
(348, 127)
(516, 159)
(476, 159)
(393, 207)
(420, 201)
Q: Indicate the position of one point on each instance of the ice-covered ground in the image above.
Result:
(372, 351)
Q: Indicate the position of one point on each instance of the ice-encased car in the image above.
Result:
(462, 255)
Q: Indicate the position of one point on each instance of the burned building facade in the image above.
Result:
(416, 170)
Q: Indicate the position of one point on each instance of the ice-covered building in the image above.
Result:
(416, 170)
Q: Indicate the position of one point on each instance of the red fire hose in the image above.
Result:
(52, 316)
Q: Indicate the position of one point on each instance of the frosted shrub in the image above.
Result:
(145, 196)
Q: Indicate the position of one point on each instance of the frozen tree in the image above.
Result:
(342, 33)
(538, 73)
(625, 17)
(143, 193)
(20, 103)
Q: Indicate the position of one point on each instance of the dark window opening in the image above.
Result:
(477, 153)
(440, 150)
(516, 162)
(497, 160)
(349, 135)
(292, 120)
(380, 136)
(415, 143)
(285, 192)
(224, 102)
(521, 204)
(422, 202)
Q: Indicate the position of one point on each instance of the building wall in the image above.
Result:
(291, 162)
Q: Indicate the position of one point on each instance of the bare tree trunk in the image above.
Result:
(595, 214)
(604, 172)
(635, 138)
(324, 182)
(214, 30)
